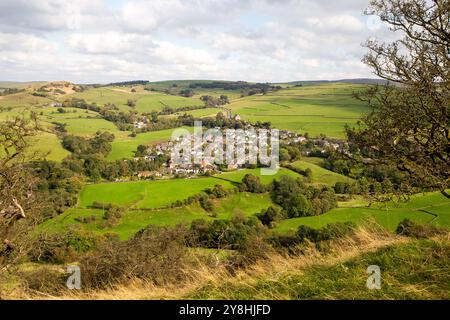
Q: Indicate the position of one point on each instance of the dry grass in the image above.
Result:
(364, 240)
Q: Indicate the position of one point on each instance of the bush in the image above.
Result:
(270, 216)
(225, 234)
(409, 228)
(254, 248)
(44, 280)
(206, 204)
(329, 232)
(154, 254)
(218, 191)
(305, 232)
(62, 247)
(252, 183)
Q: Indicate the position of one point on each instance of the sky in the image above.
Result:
(100, 41)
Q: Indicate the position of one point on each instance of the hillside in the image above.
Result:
(410, 269)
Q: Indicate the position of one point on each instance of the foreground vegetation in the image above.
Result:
(413, 267)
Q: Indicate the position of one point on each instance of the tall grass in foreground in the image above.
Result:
(411, 269)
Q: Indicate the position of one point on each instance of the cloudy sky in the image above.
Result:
(90, 41)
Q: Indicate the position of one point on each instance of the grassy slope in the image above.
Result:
(47, 146)
(321, 175)
(22, 99)
(134, 221)
(159, 193)
(417, 269)
(124, 145)
(146, 101)
(315, 109)
(418, 209)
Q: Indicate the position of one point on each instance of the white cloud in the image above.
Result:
(254, 40)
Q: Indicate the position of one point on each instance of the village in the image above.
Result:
(186, 167)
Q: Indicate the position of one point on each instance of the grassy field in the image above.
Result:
(316, 109)
(321, 176)
(47, 146)
(124, 145)
(160, 193)
(22, 99)
(135, 220)
(102, 96)
(431, 208)
(157, 101)
(146, 101)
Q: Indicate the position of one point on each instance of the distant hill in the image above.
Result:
(363, 81)
(354, 81)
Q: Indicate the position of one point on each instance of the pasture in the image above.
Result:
(432, 208)
(316, 109)
(124, 145)
(135, 220)
(160, 193)
(321, 176)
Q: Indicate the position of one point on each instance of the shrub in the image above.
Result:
(270, 216)
(206, 204)
(409, 228)
(62, 247)
(254, 248)
(225, 234)
(329, 232)
(252, 183)
(43, 280)
(154, 254)
(305, 232)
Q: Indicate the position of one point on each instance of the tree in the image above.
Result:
(284, 155)
(408, 127)
(252, 183)
(298, 206)
(270, 216)
(19, 203)
(308, 175)
(141, 150)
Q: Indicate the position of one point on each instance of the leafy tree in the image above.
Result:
(252, 183)
(308, 174)
(409, 127)
(298, 206)
(270, 216)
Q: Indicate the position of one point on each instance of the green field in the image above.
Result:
(316, 109)
(135, 220)
(124, 145)
(47, 146)
(22, 99)
(321, 176)
(157, 101)
(146, 101)
(431, 208)
(160, 193)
